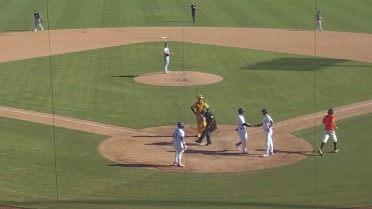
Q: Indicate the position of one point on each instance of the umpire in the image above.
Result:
(193, 11)
(211, 126)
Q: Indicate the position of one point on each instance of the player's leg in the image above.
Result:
(244, 138)
(271, 144)
(176, 155)
(325, 140)
(333, 134)
(241, 139)
(209, 137)
(166, 63)
(36, 23)
(266, 154)
(200, 139)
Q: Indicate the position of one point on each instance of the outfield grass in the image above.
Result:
(40, 164)
(339, 15)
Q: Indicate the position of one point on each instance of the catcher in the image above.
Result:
(197, 108)
(38, 20)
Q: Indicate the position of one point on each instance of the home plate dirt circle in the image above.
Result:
(152, 148)
(178, 78)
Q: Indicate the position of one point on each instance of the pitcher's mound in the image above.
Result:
(178, 78)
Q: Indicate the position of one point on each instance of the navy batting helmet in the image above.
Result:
(330, 111)
(181, 124)
(264, 111)
(241, 110)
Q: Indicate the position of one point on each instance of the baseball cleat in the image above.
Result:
(320, 152)
(181, 165)
(337, 150)
(271, 153)
(237, 146)
(265, 155)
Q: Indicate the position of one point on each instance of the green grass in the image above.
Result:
(99, 85)
(351, 163)
(339, 15)
(42, 163)
(85, 180)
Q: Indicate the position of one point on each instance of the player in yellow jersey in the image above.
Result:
(197, 108)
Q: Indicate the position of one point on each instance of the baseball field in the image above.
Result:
(87, 114)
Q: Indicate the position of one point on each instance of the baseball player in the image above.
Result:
(211, 126)
(240, 128)
(38, 20)
(319, 19)
(193, 12)
(267, 124)
(329, 130)
(197, 108)
(166, 53)
(179, 143)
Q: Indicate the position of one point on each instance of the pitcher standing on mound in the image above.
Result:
(166, 54)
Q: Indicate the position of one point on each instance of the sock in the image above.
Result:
(321, 146)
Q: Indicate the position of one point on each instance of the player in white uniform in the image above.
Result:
(267, 126)
(38, 20)
(179, 143)
(319, 19)
(240, 128)
(166, 53)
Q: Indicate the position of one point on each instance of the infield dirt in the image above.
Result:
(129, 147)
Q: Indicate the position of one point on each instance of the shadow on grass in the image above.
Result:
(140, 165)
(298, 64)
(287, 152)
(124, 76)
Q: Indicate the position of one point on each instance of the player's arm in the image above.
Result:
(271, 123)
(206, 106)
(257, 125)
(334, 123)
(248, 124)
(192, 109)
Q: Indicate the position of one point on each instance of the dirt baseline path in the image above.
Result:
(341, 45)
(151, 147)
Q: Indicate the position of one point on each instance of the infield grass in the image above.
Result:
(99, 86)
(40, 164)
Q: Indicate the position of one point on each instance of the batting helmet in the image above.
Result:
(264, 111)
(181, 124)
(241, 111)
(330, 111)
